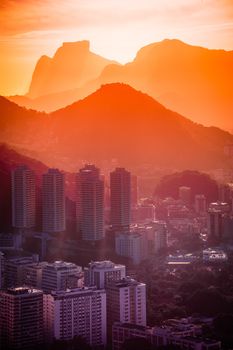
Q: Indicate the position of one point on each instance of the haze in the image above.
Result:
(116, 29)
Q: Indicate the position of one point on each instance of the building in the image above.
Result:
(60, 275)
(100, 273)
(200, 203)
(134, 191)
(120, 189)
(90, 203)
(223, 207)
(76, 312)
(180, 333)
(53, 202)
(1, 269)
(185, 195)
(11, 241)
(14, 270)
(143, 213)
(126, 302)
(125, 331)
(23, 189)
(131, 245)
(21, 318)
(160, 235)
(33, 274)
(217, 213)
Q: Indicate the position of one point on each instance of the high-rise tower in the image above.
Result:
(90, 203)
(21, 318)
(120, 187)
(23, 197)
(53, 201)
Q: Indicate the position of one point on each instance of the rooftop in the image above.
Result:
(104, 264)
(22, 291)
(125, 282)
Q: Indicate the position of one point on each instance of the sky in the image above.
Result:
(117, 29)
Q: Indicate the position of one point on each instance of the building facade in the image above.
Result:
(53, 202)
(60, 275)
(21, 318)
(132, 245)
(100, 273)
(23, 186)
(120, 192)
(90, 203)
(126, 302)
(76, 312)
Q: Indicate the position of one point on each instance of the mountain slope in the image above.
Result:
(193, 81)
(118, 122)
(20, 126)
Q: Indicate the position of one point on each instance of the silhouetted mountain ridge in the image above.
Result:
(72, 65)
(118, 122)
(191, 80)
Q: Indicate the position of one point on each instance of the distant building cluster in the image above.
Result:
(42, 301)
(93, 198)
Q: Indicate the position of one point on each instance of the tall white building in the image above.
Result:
(53, 202)
(23, 197)
(90, 203)
(60, 275)
(126, 302)
(100, 273)
(131, 245)
(76, 312)
(120, 188)
(21, 318)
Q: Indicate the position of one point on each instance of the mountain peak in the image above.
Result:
(83, 45)
(72, 66)
(69, 49)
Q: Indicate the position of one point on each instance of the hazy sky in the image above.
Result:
(115, 28)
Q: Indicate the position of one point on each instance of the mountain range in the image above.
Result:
(115, 122)
(193, 81)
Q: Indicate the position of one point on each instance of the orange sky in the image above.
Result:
(116, 29)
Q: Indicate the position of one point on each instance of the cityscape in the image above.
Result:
(116, 179)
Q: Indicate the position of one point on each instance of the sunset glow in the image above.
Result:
(116, 29)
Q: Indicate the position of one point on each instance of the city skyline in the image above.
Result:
(116, 175)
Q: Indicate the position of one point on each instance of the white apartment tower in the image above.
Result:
(120, 188)
(59, 275)
(90, 203)
(100, 273)
(23, 197)
(126, 302)
(131, 245)
(53, 201)
(76, 312)
(21, 318)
